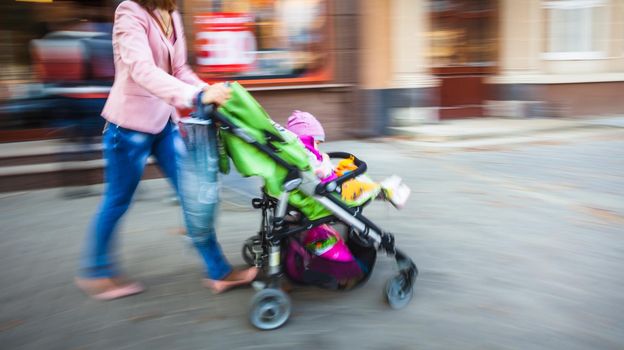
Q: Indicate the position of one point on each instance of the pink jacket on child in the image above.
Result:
(152, 77)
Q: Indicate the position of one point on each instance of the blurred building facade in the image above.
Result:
(424, 60)
(360, 66)
(363, 67)
(292, 54)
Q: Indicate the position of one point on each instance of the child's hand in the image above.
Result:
(326, 168)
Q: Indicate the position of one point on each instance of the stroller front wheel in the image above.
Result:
(270, 309)
(398, 292)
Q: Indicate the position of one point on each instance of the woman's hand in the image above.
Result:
(216, 93)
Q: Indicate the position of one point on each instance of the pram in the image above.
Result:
(257, 146)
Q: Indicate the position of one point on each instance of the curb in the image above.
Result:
(416, 135)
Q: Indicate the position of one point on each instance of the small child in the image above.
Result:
(311, 133)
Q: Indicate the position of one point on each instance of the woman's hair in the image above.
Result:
(168, 5)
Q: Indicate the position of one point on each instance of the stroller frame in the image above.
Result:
(270, 307)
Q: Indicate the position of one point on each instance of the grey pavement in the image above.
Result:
(518, 248)
(484, 128)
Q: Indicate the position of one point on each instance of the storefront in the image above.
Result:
(293, 54)
(560, 58)
(439, 57)
(463, 53)
(426, 60)
(364, 66)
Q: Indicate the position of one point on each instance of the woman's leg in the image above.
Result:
(198, 189)
(167, 148)
(125, 152)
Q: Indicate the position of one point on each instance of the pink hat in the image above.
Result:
(304, 124)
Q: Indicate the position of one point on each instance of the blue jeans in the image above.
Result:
(126, 152)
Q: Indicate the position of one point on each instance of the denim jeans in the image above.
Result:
(126, 152)
(199, 192)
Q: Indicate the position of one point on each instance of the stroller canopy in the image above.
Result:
(246, 113)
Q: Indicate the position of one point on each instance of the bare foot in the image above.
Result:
(108, 288)
(179, 231)
(234, 279)
(237, 275)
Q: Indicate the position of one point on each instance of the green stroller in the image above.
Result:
(257, 146)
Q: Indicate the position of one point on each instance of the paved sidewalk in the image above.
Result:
(490, 128)
(445, 131)
(500, 133)
(517, 249)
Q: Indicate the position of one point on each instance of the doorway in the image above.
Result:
(463, 53)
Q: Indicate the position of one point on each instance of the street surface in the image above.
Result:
(518, 248)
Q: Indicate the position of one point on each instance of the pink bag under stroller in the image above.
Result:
(322, 258)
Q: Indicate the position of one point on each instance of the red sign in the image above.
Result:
(224, 42)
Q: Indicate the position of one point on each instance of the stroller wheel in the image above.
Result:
(270, 309)
(399, 292)
(247, 253)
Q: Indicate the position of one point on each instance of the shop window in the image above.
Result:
(463, 34)
(576, 29)
(261, 41)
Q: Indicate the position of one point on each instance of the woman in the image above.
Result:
(152, 79)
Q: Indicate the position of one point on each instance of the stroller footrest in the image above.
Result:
(387, 243)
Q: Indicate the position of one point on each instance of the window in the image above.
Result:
(463, 34)
(576, 29)
(261, 41)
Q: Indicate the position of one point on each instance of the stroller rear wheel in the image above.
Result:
(398, 292)
(248, 254)
(270, 309)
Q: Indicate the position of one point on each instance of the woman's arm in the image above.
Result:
(129, 34)
(181, 69)
(186, 74)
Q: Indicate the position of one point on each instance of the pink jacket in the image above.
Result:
(152, 78)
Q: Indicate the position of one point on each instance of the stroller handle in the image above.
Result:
(361, 169)
(206, 110)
